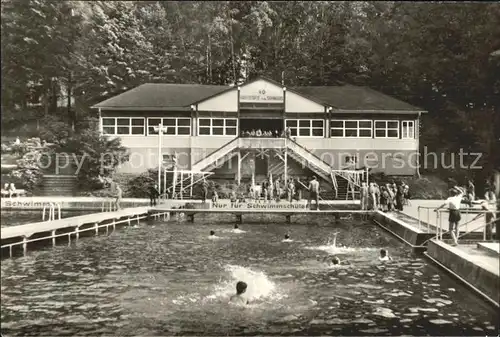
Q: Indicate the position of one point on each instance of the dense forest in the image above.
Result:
(442, 57)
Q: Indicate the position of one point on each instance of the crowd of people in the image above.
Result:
(269, 190)
(267, 133)
(387, 198)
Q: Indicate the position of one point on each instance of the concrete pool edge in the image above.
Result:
(483, 282)
(410, 235)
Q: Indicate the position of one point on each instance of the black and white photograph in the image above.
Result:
(250, 168)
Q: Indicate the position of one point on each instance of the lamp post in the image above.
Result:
(160, 129)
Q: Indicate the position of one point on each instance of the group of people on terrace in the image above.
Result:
(269, 190)
(9, 189)
(387, 198)
(267, 133)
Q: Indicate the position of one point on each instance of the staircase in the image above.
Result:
(58, 185)
(295, 152)
(212, 160)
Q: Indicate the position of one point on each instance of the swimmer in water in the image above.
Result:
(335, 261)
(212, 234)
(236, 226)
(241, 288)
(384, 255)
(287, 238)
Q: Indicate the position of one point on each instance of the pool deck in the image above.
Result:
(476, 268)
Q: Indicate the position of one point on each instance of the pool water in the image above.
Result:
(172, 279)
(17, 217)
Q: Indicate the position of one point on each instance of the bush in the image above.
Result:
(101, 156)
(138, 187)
(430, 187)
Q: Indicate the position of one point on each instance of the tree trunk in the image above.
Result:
(232, 46)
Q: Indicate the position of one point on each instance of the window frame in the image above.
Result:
(311, 127)
(358, 129)
(176, 133)
(130, 126)
(386, 128)
(211, 126)
(412, 129)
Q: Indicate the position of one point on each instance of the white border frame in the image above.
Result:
(310, 127)
(223, 127)
(412, 128)
(351, 120)
(122, 126)
(176, 126)
(386, 128)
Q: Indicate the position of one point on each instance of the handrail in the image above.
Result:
(215, 152)
(52, 211)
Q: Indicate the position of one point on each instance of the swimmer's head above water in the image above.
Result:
(287, 237)
(241, 287)
(335, 260)
(212, 233)
(383, 253)
(236, 226)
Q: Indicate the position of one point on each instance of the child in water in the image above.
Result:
(238, 298)
(287, 238)
(335, 261)
(384, 256)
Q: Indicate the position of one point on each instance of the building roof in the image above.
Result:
(350, 97)
(163, 96)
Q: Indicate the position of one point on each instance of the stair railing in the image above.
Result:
(50, 211)
(226, 148)
(108, 205)
(335, 184)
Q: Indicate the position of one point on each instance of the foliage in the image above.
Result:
(99, 157)
(138, 187)
(438, 56)
(29, 171)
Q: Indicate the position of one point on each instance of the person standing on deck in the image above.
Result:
(277, 189)
(204, 190)
(377, 196)
(400, 197)
(118, 197)
(471, 192)
(453, 203)
(364, 196)
(314, 192)
(371, 197)
(153, 194)
(291, 190)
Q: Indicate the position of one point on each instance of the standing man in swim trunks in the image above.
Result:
(453, 204)
(314, 192)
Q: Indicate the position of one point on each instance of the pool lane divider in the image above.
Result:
(17, 240)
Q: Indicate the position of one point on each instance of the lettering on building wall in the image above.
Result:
(253, 205)
(262, 96)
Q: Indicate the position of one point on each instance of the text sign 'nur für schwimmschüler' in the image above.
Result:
(253, 205)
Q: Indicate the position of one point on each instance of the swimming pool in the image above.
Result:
(171, 279)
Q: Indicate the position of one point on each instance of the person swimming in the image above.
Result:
(238, 298)
(287, 237)
(212, 233)
(384, 256)
(236, 226)
(335, 261)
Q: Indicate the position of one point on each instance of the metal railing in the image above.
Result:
(108, 205)
(50, 211)
(437, 227)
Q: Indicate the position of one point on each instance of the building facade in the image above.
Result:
(209, 128)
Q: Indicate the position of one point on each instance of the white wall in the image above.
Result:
(227, 101)
(358, 143)
(297, 103)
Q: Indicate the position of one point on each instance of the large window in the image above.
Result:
(408, 129)
(175, 126)
(123, 125)
(386, 129)
(306, 127)
(351, 128)
(217, 126)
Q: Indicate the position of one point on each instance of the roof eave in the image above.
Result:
(142, 108)
(407, 112)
